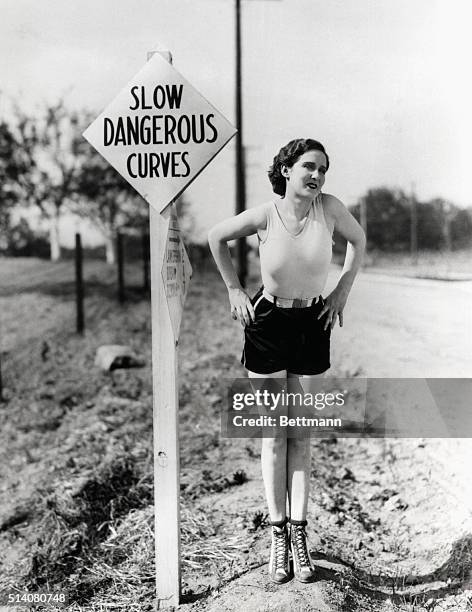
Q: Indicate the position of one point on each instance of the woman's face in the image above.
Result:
(307, 175)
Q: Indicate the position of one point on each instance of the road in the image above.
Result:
(400, 327)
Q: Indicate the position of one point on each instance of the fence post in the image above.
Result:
(79, 284)
(145, 256)
(120, 262)
(1, 382)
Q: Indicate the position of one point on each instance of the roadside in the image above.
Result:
(432, 265)
(413, 272)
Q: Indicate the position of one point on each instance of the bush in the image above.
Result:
(21, 241)
(461, 229)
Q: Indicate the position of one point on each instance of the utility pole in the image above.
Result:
(240, 150)
(240, 169)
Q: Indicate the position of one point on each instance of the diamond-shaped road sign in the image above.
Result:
(176, 273)
(159, 132)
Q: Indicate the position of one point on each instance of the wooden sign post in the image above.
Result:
(159, 133)
(165, 422)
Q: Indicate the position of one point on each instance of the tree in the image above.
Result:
(11, 166)
(431, 225)
(186, 219)
(461, 228)
(50, 165)
(388, 219)
(439, 222)
(110, 202)
(105, 197)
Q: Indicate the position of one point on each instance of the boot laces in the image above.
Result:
(299, 539)
(280, 548)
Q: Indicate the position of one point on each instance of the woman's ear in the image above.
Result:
(285, 171)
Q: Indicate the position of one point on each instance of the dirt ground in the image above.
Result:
(390, 526)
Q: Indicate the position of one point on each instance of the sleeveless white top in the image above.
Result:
(295, 265)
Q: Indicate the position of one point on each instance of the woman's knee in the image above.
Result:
(299, 445)
(274, 445)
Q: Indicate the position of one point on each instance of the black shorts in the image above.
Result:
(291, 339)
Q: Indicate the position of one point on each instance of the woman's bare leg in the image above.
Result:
(274, 462)
(298, 458)
(298, 480)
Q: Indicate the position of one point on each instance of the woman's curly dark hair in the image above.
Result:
(287, 156)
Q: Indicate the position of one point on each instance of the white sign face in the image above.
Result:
(176, 273)
(159, 132)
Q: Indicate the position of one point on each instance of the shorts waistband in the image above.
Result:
(289, 302)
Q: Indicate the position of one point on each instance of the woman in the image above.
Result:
(287, 324)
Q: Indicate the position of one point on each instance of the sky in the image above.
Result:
(382, 83)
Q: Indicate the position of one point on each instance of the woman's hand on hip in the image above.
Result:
(241, 307)
(333, 307)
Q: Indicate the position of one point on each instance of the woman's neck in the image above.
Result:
(297, 205)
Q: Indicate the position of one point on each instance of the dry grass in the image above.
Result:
(74, 524)
(201, 542)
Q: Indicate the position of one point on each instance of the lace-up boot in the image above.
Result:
(302, 563)
(279, 570)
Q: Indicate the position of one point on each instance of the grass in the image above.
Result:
(86, 519)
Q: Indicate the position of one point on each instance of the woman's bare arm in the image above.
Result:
(350, 229)
(244, 224)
